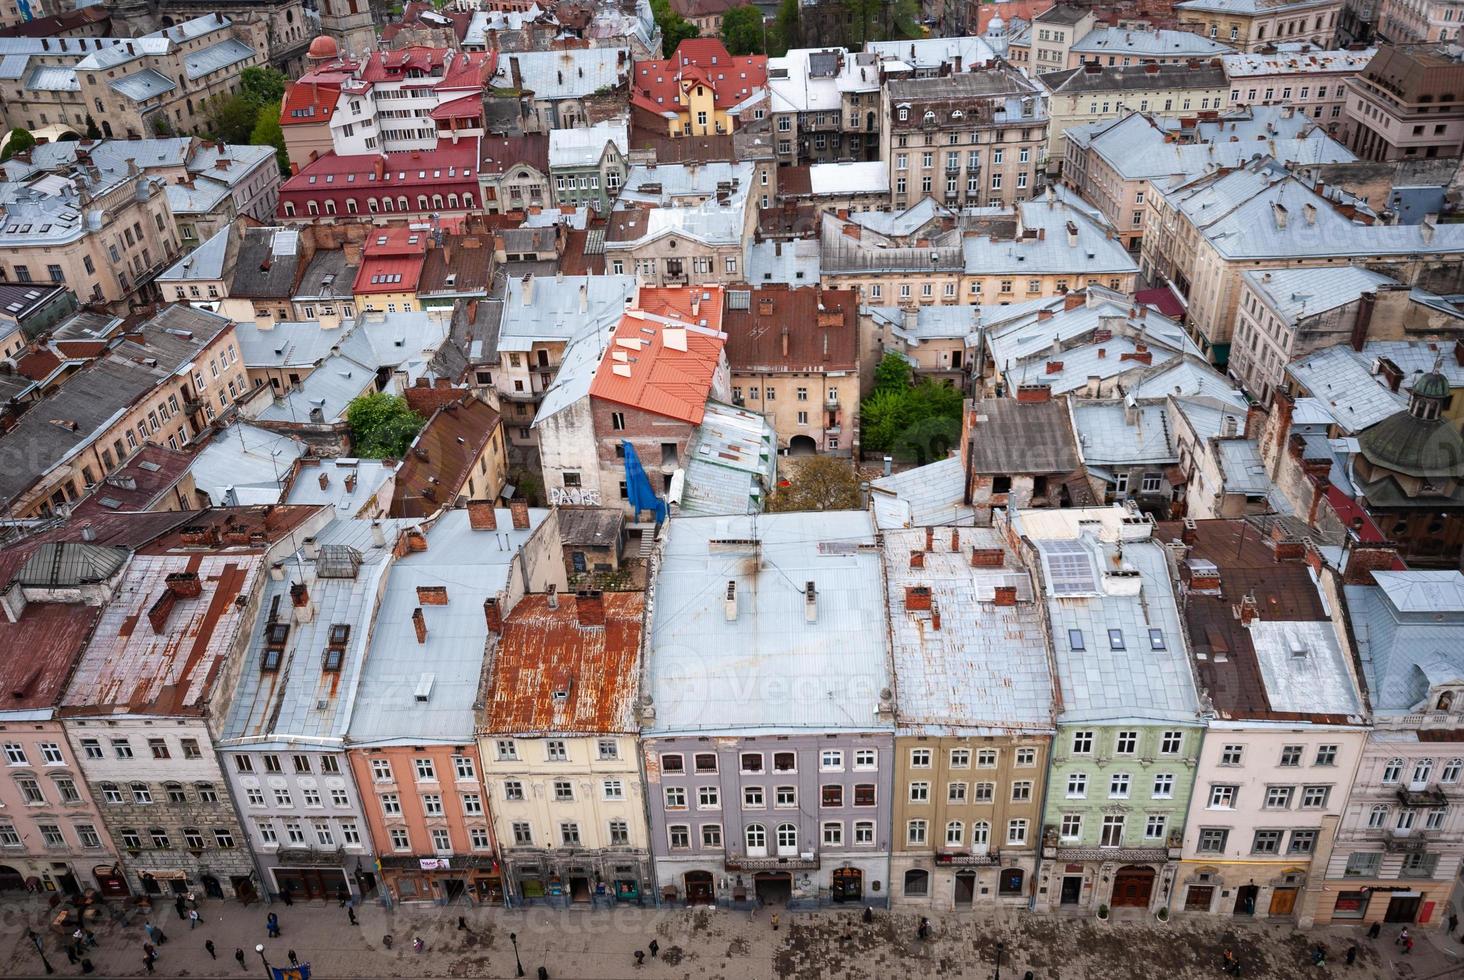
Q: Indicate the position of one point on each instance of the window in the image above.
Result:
(175, 793)
(752, 762)
(608, 749)
(785, 762)
(864, 794)
(1418, 865)
(752, 798)
(1082, 743)
(30, 790)
(1392, 771)
(1077, 786)
(1170, 743)
(1291, 755)
(983, 792)
(920, 758)
(91, 748)
(190, 748)
(1377, 817)
(705, 762)
(193, 839)
(1022, 791)
(381, 770)
(463, 767)
(915, 832)
(1266, 842)
(15, 754)
(829, 760)
(1118, 786)
(122, 748)
(1302, 842)
(960, 758)
(426, 770)
(833, 834)
(1433, 818)
(1230, 755)
(1126, 743)
(756, 836)
(160, 838)
(1315, 797)
(672, 763)
(1071, 827)
(507, 749)
(919, 792)
(1154, 826)
(301, 763)
(863, 832)
(613, 789)
(569, 834)
(87, 834)
(707, 798)
(68, 791)
(1222, 797)
(1422, 770)
(555, 750)
(1279, 797)
(271, 763)
(1363, 864)
(831, 796)
(1026, 758)
(400, 841)
(1016, 831)
(619, 832)
(1451, 771)
(986, 759)
(472, 804)
(51, 754)
(391, 804)
(1212, 840)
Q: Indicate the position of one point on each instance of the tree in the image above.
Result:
(261, 85)
(231, 118)
(787, 31)
(93, 131)
(382, 425)
(918, 422)
(20, 141)
(817, 483)
(268, 132)
(674, 27)
(743, 30)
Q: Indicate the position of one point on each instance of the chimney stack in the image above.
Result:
(935, 615)
(917, 598)
(492, 615)
(481, 516)
(955, 541)
(729, 607)
(987, 558)
(810, 603)
(419, 623)
(1005, 595)
(519, 508)
(551, 596)
(917, 559)
(930, 539)
(589, 607)
(1248, 610)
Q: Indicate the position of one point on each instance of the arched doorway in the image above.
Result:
(965, 888)
(802, 446)
(917, 883)
(773, 887)
(848, 885)
(10, 879)
(699, 888)
(1132, 887)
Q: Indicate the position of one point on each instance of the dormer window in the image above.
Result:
(1445, 702)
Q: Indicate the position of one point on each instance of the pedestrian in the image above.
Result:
(192, 900)
(148, 949)
(272, 925)
(543, 973)
(386, 940)
(655, 948)
(462, 924)
(78, 936)
(294, 960)
(91, 938)
(1319, 955)
(208, 945)
(182, 909)
(192, 918)
(151, 930)
(344, 897)
(774, 920)
(71, 954)
(417, 944)
(868, 914)
(1235, 969)
(1352, 954)
(640, 957)
(351, 914)
(1408, 945)
(1227, 960)
(1453, 922)
(1402, 937)
(162, 938)
(1375, 930)
(239, 955)
(923, 931)
(285, 897)
(147, 961)
(87, 967)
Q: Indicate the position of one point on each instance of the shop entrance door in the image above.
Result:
(1072, 889)
(1283, 900)
(1402, 909)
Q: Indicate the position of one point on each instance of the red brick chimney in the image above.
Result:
(1248, 610)
(935, 615)
(1034, 393)
(1006, 595)
(519, 508)
(1364, 559)
(419, 623)
(432, 595)
(917, 559)
(930, 539)
(481, 516)
(917, 598)
(493, 616)
(987, 557)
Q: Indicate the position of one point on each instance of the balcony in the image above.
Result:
(800, 862)
(1432, 796)
(298, 854)
(965, 859)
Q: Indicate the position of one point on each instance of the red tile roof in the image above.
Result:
(309, 103)
(821, 327)
(545, 651)
(665, 354)
(657, 85)
(392, 261)
(451, 168)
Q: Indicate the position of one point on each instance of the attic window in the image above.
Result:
(1156, 639)
(1075, 640)
(561, 696)
(1115, 640)
(332, 660)
(339, 634)
(271, 662)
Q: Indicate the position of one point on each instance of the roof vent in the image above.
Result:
(810, 603)
(424, 688)
(730, 605)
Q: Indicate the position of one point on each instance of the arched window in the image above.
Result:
(1377, 817)
(350, 205)
(311, 207)
(437, 202)
(452, 200)
(421, 202)
(1422, 770)
(1010, 881)
(402, 203)
(371, 205)
(330, 205)
(1393, 771)
(387, 204)
(980, 833)
(955, 833)
(1446, 701)
(757, 838)
(289, 209)
(787, 838)
(467, 200)
(1451, 771)
(917, 882)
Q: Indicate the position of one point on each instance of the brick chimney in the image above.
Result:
(1030, 394)
(1364, 559)
(1073, 300)
(493, 616)
(1005, 595)
(184, 585)
(589, 607)
(930, 539)
(917, 559)
(955, 541)
(917, 598)
(987, 558)
(519, 508)
(419, 623)
(1189, 531)
(432, 595)
(935, 615)
(481, 516)
(299, 595)
(1248, 610)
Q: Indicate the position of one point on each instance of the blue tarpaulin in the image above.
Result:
(638, 486)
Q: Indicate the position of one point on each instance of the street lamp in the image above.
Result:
(513, 938)
(268, 972)
(41, 951)
(1000, 948)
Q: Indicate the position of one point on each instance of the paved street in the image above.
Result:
(718, 945)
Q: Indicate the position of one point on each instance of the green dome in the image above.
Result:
(1431, 385)
(1413, 446)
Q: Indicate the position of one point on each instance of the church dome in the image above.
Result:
(323, 48)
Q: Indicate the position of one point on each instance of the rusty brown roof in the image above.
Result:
(52, 635)
(1244, 554)
(544, 651)
(821, 327)
(795, 181)
(147, 475)
(469, 258)
(237, 530)
(437, 468)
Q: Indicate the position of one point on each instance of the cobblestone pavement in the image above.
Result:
(718, 945)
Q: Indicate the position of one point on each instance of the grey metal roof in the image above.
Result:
(926, 495)
(1241, 468)
(328, 277)
(350, 484)
(1067, 238)
(204, 262)
(571, 74)
(585, 146)
(245, 464)
(143, 85)
(53, 78)
(792, 262)
(289, 343)
(731, 462)
(1294, 294)
(985, 668)
(1345, 385)
(1409, 629)
(215, 57)
(769, 668)
(472, 566)
(561, 308)
(1303, 666)
(1093, 587)
(1111, 433)
(57, 564)
(930, 53)
(1148, 44)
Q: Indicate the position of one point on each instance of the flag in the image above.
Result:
(301, 972)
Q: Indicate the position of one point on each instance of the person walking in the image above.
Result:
(208, 945)
(774, 920)
(294, 960)
(1352, 954)
(192, 919)
(1453, 921)
(655, 949)
(272, 925)
(181, 907)
(151, 930)
(91, 938)
(1407, 945)
(148, 949)
(923, 931)
(87, 967)
(868, 914)
(417, 944)
(351, 914)
(285, 897)
(239, 955)
(640, 957)
(148, 961)
(71, 954)
(1375, 930)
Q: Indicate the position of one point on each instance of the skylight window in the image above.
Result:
(1075, 640)
(1156, 639)
(1115, 640)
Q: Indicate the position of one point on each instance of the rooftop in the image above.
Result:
(1295, 294)
(792, 330)
(1134, 78)
(713, 654)
(731, 462)
(437, 468)
(1409, 628)
(1010, 436)
(572, 74)
(967, 659)
(567, 666)
(933, 494)
(665, 362)
(656, 85)
(146, 476)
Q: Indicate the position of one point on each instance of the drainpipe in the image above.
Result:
(1046, 785)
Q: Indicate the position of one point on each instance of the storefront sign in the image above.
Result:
(434, 864)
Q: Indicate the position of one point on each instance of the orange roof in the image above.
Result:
(656, 85)
(591, 666)
(313, 98)
(665, 354)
